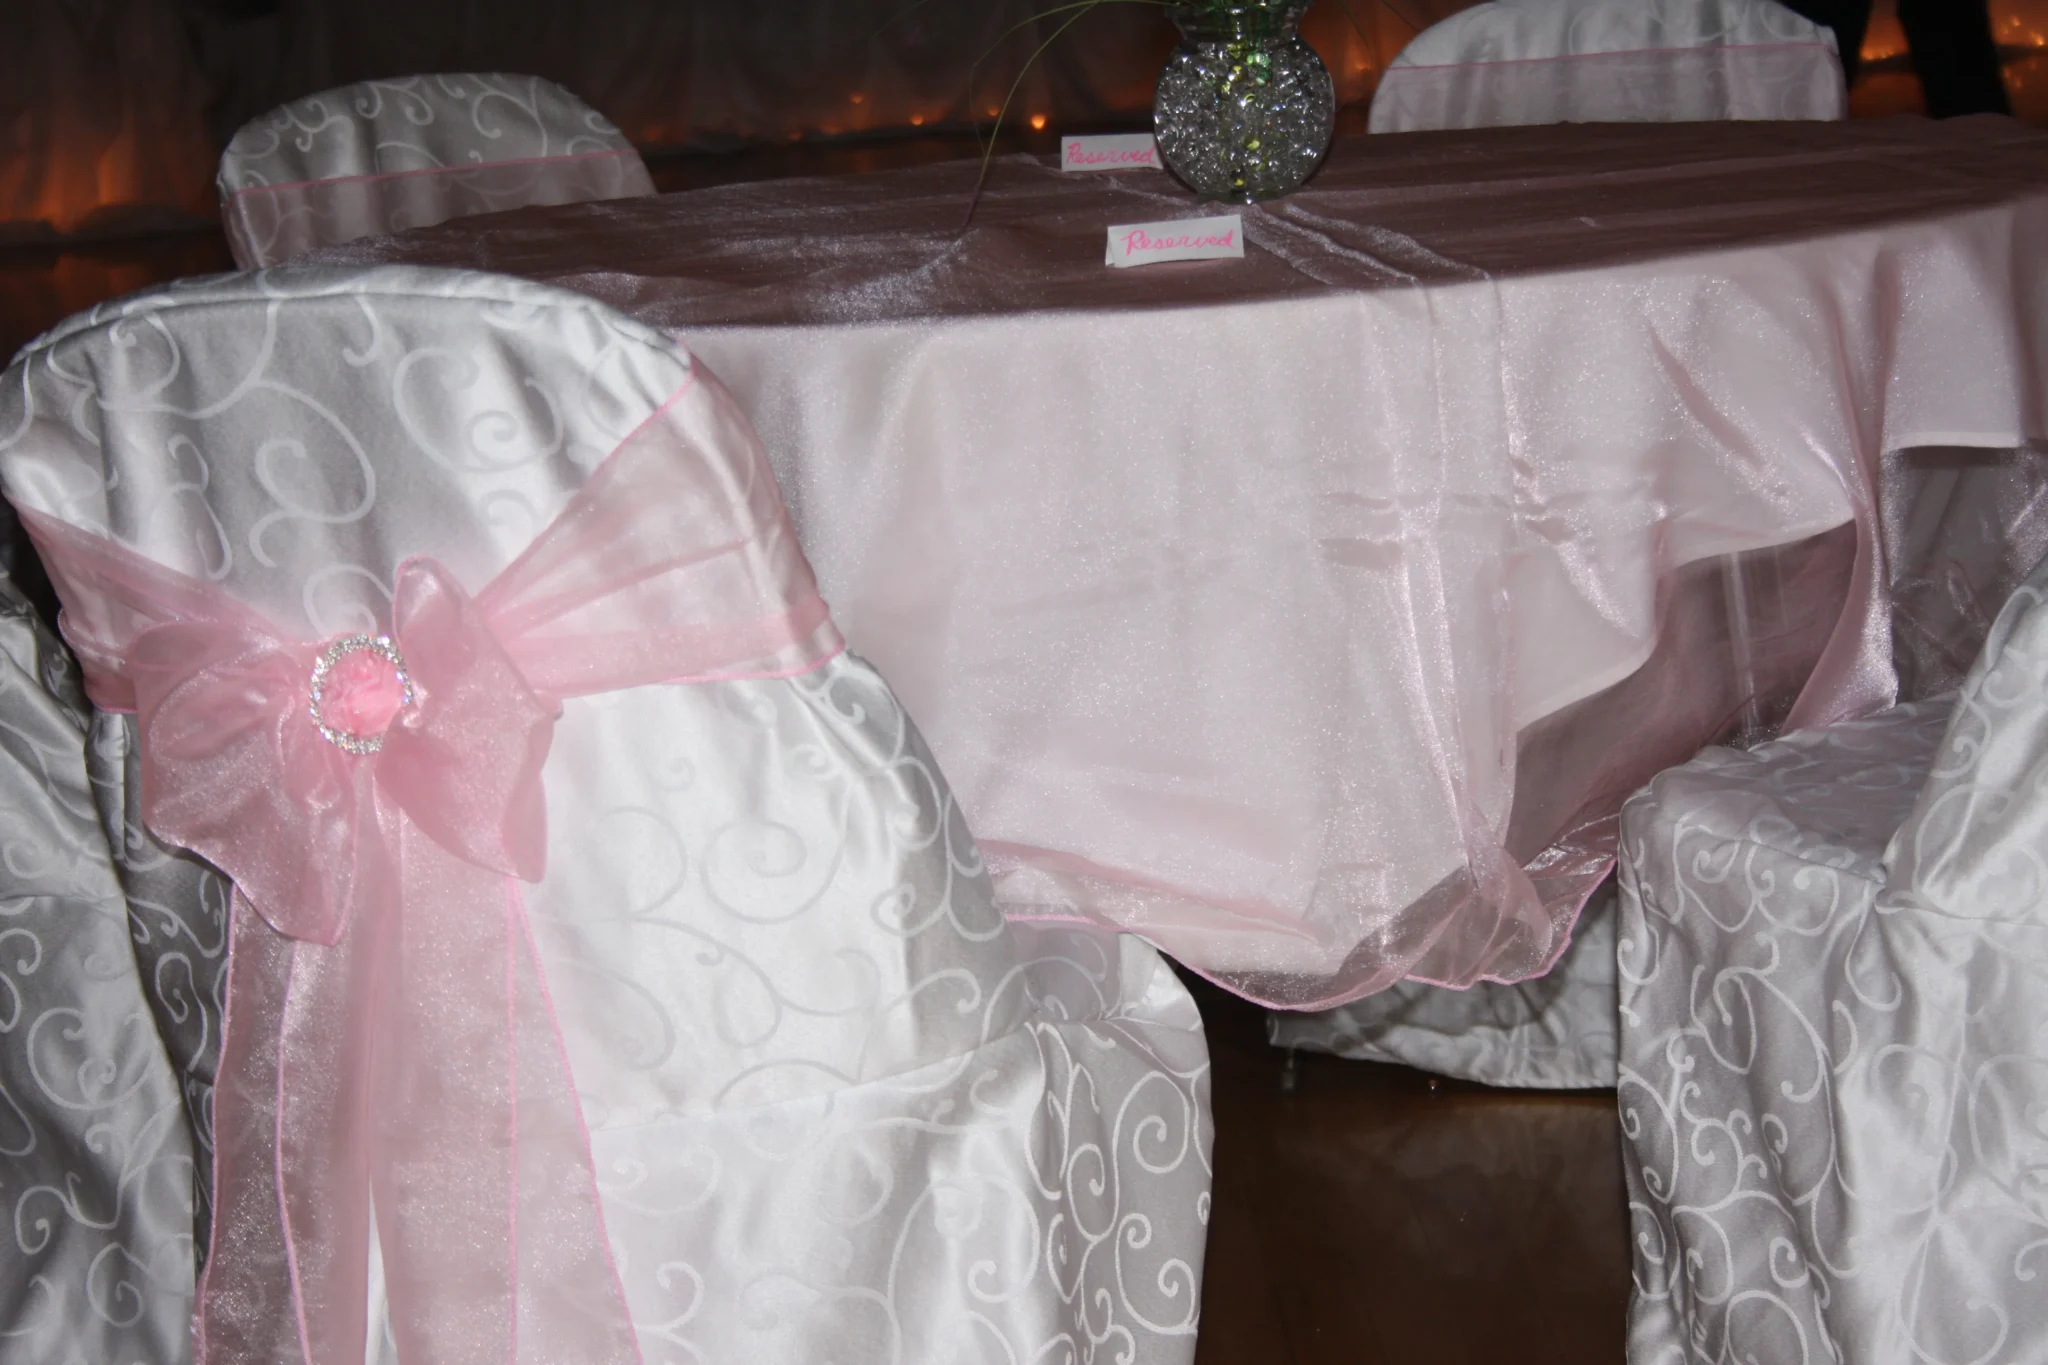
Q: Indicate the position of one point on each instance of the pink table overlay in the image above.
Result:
(1311, 614)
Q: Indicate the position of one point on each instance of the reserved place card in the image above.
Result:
(1114, 152)
(1177, 239)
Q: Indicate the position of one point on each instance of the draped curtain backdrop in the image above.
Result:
(114, 111)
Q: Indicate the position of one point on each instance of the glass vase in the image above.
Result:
(1245, 108)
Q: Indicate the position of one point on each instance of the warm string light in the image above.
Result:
(2020, 38)
(2016, 27)
(2013, 31)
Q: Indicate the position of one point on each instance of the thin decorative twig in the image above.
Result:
(1078, 10)
(1082, 9)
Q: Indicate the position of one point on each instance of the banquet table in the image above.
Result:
(1311, 614)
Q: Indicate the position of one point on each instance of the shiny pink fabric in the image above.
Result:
(1232, 596)
(390, 1035)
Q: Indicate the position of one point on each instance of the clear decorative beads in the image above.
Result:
(358, 688)
(1245, 108)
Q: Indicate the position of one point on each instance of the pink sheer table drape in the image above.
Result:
(1276, 609)
(388, 957)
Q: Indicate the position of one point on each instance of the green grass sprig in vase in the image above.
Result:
(1245, 108)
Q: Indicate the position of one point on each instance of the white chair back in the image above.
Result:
(764, 928)
(384, 156)
(1611, 61)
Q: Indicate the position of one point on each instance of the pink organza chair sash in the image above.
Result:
(390, 1039)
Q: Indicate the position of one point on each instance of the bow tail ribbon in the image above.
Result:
(496, 1085)
(391, 1065)
(391, 1060)
(492, 1255)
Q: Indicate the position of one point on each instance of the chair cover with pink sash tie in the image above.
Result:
(1611, 61)
(391, 956)
(383, 156)
(361, 549)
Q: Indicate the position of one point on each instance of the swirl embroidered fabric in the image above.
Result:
(97, 1262)
(1832, 995)
(390, 846)
(838, 1108)
(384, 156)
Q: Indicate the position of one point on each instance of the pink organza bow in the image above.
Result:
(390, 1042)
(234, 765)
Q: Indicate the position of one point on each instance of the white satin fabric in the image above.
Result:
(382, 156)
(106, 1040)
(1611, 61)
(840, 1110)
(1227, 592)
(1832, 1004)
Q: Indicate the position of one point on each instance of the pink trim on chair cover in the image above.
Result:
(429, 170)
(1649, 85)
(1620, 52)
(269, 223)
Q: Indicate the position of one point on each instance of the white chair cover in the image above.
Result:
(839, 1110)
(384, 156)
(109, 1014)
(1961, 532)
(1555, 1032)
(1834, 1033)
(1611, 61)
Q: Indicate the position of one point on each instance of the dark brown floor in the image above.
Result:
(1369, 1215)
(1376, 1214)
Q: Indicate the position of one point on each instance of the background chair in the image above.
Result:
(1611, 61)
(1737, 639)
(111, 952)
(838, 1108)
(1834, 1032)
(384, 156)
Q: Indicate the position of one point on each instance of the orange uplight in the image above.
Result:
(859, 98)
(917, 120)
(1038, 122)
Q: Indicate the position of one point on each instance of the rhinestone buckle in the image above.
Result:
(379, 645)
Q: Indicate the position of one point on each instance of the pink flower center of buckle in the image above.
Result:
(359, 686)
